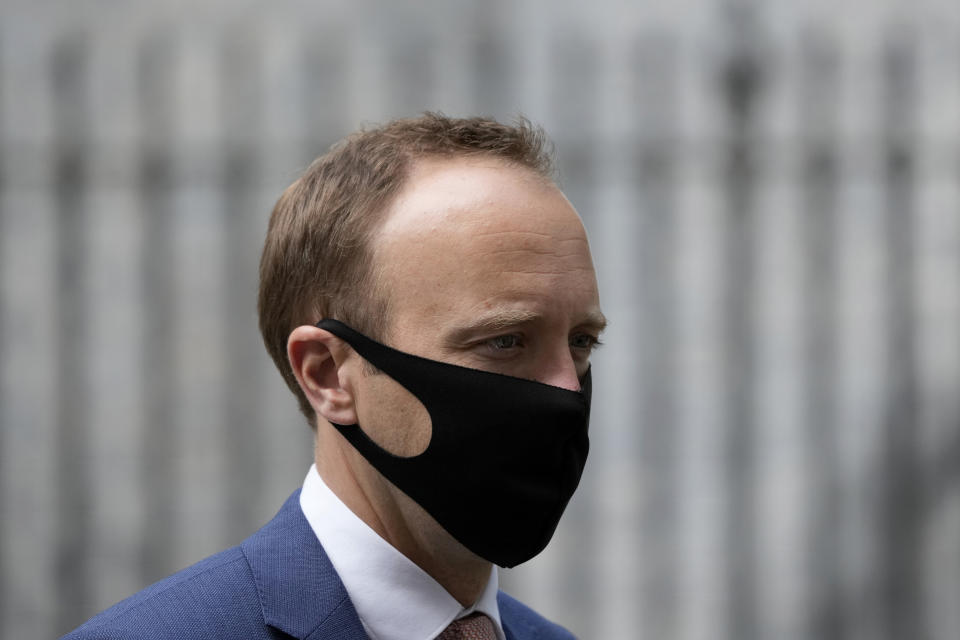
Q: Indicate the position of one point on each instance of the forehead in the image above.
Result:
(468, 197)
(479, 231)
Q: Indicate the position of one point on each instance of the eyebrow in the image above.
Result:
(596, 320)
(510, 318)
(492, 323)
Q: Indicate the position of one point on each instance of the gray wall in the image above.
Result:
(772, 191)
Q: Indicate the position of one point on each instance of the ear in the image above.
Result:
(317, 358)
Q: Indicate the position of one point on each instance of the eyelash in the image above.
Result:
(593, 342)
(492, 342)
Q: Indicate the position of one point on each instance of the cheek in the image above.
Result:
(392, 417)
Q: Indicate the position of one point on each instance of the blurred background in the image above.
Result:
(772, 191)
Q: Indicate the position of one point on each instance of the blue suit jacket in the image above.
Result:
(278, 583)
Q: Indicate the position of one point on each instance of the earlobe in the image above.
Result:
(317, 358)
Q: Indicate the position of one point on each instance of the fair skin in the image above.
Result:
(487, 266)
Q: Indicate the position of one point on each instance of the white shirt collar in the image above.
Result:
(394, 598)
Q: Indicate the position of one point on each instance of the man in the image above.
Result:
(429, 296)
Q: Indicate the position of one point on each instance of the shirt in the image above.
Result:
(394, 598)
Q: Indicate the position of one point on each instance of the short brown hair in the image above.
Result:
(316, 259)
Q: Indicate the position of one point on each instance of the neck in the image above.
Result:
(399, 520)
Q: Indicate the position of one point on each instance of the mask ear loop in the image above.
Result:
(413, 372)
(409, 370)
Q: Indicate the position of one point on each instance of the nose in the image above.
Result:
(561, 371)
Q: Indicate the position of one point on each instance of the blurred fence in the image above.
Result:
(773, 199)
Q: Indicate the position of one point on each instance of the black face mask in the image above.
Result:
(505, 454)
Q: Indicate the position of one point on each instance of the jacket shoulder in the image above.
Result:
(520, 622)
(214, 598)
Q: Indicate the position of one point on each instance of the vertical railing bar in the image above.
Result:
(242, 436)
(4, 508)
(741, 79)
(411, 74)
(325, 68)
(156, 183)
(655, 162)
(494, 84)
(819, 183)
(73, 581)
(899, 474)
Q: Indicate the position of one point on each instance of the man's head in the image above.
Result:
(445, 239)
(318, 256)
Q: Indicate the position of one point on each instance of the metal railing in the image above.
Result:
(774, 210)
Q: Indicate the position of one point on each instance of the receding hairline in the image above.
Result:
(380, 233)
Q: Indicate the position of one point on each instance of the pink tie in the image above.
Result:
(476, 626)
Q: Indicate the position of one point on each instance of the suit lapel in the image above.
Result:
(300, 592)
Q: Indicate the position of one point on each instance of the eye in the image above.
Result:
(584, 341)
(504, 342)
